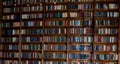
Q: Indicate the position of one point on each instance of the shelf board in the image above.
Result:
(55, 34)
(79, 51)
(9, 58)
(55, 42)
(31, 12)
(55, 50)
(31, 50)
(31, 42)
(23, 59)
(10, 35)
(105, 60)
(55, 3)
(80, 60)
(53, 11)
(10, 50)
(55, 59)
(104, 52)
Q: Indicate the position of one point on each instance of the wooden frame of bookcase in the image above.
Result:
(0, 15)
(67, 34)
(119, 36)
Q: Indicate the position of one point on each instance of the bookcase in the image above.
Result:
(60, 32)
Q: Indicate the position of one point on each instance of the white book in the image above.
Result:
(89, 39)
(113, 39)
(111, 6)
(73, 14)
(13, 39)
(116, 14)
(64, 31)
(64, 14)
(104, 48)
(51, 62)
(39, 62)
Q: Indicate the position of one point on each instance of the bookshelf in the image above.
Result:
(106, 36)
(60, 32)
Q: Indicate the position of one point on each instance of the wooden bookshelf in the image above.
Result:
(60, 32)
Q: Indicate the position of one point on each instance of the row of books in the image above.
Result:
(56, 7)
(87, 39)
(55, 47)
(106, 22)
(81, 14)
(85, 56)
(32, 39)
(31, 47)
(81, 6)
(67, 0)
(106, 56)
(31, 1)
(72, 6)
(106, 6)
(55, 39)
(9, 39)
(55, 62)
(11, 17)
(23, 39)
(51, 62)
(80, 30)
(32, 16)
(105, 48)
(81, 47)
(32, 23)
(85, 22)
(32, 8)
(106, 39)
(10, 32)
(9, 62)
(11, 2)
(56, 0)
(107, 14)
(80, 62)
(9, 54)
(10, 24)
(10, 10)
(9, 47)
(56, 23)
(56, 15)
(31, 55)
(55, 31)
(55, 55)
(32, 31)
(31, 62)
(80, 0)
(105, 62)
(61, 15)
(58, 55)
(46, 39)
(107, 31)
(105, 0)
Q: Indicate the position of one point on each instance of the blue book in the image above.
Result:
(73, 47)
